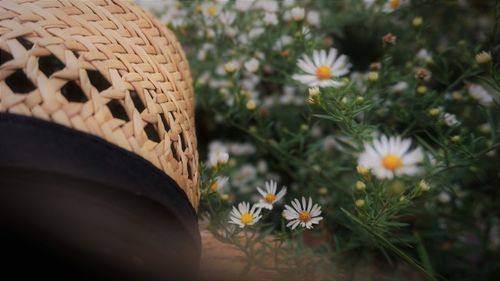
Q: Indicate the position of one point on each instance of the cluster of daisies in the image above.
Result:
(298, 213)
(385, 157)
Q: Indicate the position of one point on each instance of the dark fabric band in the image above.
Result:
(32, 144)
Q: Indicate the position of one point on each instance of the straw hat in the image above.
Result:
(106, 68)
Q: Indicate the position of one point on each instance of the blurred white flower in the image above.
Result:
(306, 32)
(399, 87)
(211, 9)
(262, 166)
(231, 32)
(252, 65)
(269, 196)
(329, 143)
(368, 3)
(423, 55)
(256, 32)
(323, 69)
(282, 42)
(389, 157)
(227, 18)
(243, 5)
(298, 13)
(270, 6)
(288, 3)
(202, 53)
(480, 94)
(218, 158)
(244, 175)
(450, 119)
(210, 33)
(271, 19)
(305, 214)
(219, 184)
(313, 18)
(392, 5)
(231, 66)
(444, 197)
(204, 78)
(239, 149)
(245, 215)
(290, 96)
(217, 154)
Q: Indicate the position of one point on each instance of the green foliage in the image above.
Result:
(414, 87)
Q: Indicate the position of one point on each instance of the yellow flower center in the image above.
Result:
(211, 11)
(214, 187)
(270, 198)
(323, 72)
(392, 162)
(304, 216)
(394, 4)
(246, 218)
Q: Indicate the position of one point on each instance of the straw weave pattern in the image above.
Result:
(106, 68)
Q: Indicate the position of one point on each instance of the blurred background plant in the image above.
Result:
(422, 72)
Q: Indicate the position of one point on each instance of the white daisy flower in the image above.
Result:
(304, 214)
(269, 196)
(313, 18)
(217, 154)
(218, 158)
(450, 119)
(424, 55)
(270, 6)
(389, 157)
(243, 5)
(219, 184)
(392, 5)
(251, 65)
(480, 94)
(211, 9)
(245, 215)
(243, 176)
(323, 70)
(399, 87)
(271, 19)
(368, 3)
(227, 18)
(298, 13)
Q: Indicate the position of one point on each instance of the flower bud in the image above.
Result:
(389, 39)
(422, 73)
(483, 57)
(362, 170)
(417, 22)
(298, 13)
(251, 105)
(360, 203)
(456, 139)
(372, 76)
(230, 67)
(360, 100)
(313, 95)
(360, 186)
(323, 191)
(375, 66)
(434, 112)
(424, 186)
(422, 90)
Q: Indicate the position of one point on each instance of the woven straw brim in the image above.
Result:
(106, 68)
